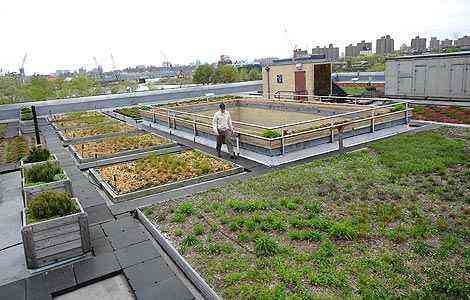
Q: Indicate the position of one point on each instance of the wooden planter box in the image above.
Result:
(53, 159)
(51, 241)
(64, 185)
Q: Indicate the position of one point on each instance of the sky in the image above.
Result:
(62, 34)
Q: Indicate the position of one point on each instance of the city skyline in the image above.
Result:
(68, 36)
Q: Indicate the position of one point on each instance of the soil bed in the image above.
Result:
(391, 221)
(159, 170)
(118, 144)
(97, 130)
(445, 114)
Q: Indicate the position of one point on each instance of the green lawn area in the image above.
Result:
(354, 91)
(391, 221)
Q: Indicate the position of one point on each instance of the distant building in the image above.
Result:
(385, 45)
(364, 47)
(298, 53)
(224, 60)
(418, 44)
(463, 43)
(351, 51)
(63, 73)
(434, 45)
(331, 53)
(446, 44)
(404, 49)
(265, 61)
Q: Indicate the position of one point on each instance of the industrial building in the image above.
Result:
(303, 76)
(385, 45)
(443, 76)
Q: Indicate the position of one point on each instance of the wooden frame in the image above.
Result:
(55, 240)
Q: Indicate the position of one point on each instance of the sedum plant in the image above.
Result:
(50, 204)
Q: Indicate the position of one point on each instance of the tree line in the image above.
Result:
(207, 74)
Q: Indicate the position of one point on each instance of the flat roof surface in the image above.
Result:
(461, 53)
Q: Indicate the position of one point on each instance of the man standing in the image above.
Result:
(222, 125)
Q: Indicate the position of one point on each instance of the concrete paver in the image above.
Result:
(11, 205)
(137, 253)
(148, 273)
(114, 288)
(96, 267)
(172, 288)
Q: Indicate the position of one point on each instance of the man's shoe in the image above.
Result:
(232, 157)
(218, 153)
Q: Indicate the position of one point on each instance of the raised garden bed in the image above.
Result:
(74, 116)
(85, 122)
(44, 176)
(156, 174)
(38, 155)
(132, 112)
(118, 146)
(12, 150)
(96, 132)
(55, 228)
(444, 114)
(390, 221)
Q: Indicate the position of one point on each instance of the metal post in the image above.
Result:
(154, 118)
(169, 122)
(238, 144)
(406, 114)
(36, 127)
(194, 129)
(340, 138)
(282, 140)
(372, 122)
(332, 131)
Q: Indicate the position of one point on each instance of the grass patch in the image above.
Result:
(389, 222)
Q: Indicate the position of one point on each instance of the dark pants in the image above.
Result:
(225, 136)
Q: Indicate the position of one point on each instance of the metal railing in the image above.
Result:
(329, 123)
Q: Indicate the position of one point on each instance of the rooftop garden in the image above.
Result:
(132, 112)
(75, 115)
(97, 130)
(43, 173)
(49, 205)
(119, 144)
(14, 149)
(158, 170)
(83, 121)
(391, 221)
(445, 114)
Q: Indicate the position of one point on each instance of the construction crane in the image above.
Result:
(115, 72)
(98, 67)
(290, 43)
(22, 73)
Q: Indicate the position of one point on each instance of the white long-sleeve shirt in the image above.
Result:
(222, 121)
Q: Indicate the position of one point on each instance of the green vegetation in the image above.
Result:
(391, 221)
(43, 88)
(3, 128)
(399, 107)
(44, 173)
(132, 112)
(355, 91)
(270, 134)
(15, 149)
(37, 154)
(26, 114)
(48, 205)
(206, 74)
